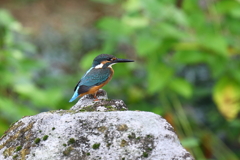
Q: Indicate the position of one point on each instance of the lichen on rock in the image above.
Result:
(87, 132)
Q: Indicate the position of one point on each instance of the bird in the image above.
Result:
(97, 76)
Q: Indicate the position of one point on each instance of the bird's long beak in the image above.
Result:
(122, 60)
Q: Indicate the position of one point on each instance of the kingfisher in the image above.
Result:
(97, 76)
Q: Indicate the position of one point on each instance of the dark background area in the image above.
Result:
(186, 69)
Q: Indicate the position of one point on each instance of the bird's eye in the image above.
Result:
(110, 59)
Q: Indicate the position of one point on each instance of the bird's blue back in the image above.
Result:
(93, 77)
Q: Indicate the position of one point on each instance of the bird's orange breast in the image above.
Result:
(94, 89)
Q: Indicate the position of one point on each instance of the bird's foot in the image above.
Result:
(97, 96)
(96, 99)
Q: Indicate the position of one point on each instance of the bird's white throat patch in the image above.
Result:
(99, 65)
(110, 66)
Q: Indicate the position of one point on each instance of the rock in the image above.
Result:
(87, 103)
(78, 134)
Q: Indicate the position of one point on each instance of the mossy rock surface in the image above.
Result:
(87, 135)
(82, 135)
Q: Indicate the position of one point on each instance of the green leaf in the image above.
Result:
(9, 109)
(47, 97)
(215, 43)
(190, 57)
(232, 69)
(135, 22)
(3, 126)
(146, 44)
(235, 12)
(168, 30)
(226, 95)
(113, 27)
(159, 77)
(152, 7)
(217, 64)
(227, 7)
(5, 18)
(135, 94)
(106, 1)
(190, 142)
(132, 5)
(181, 87)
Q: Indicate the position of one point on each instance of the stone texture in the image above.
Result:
(92, 131)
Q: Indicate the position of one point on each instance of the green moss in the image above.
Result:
(132, 136)
(62, 112)
(40, 131)
(102, 129)
(64, 144)
(110, 108)
(15, 156)
(145, 154)
(53, 128)
(37, 140)
(67, 151)
(88, 154)
(45, 137)
(88, 108)
(123, 143)
(15, 136)
(149, 149)
(149, 136)
(71, 141)
(96, 146)
(24, 152)
(18, 148)
(9, 151)
(122, 127)
(82, 110)
(109, 144)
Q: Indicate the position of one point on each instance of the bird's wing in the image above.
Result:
(93, 77)
(82, 78)
(77, 85)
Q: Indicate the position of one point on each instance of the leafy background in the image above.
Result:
(187, 62)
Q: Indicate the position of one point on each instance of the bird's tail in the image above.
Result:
(75, 95)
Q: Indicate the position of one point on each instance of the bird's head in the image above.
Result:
(106, 60)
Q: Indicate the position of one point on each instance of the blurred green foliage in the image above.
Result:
(186, 51)
(14, 68)
(186, 68)
(20, 95)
